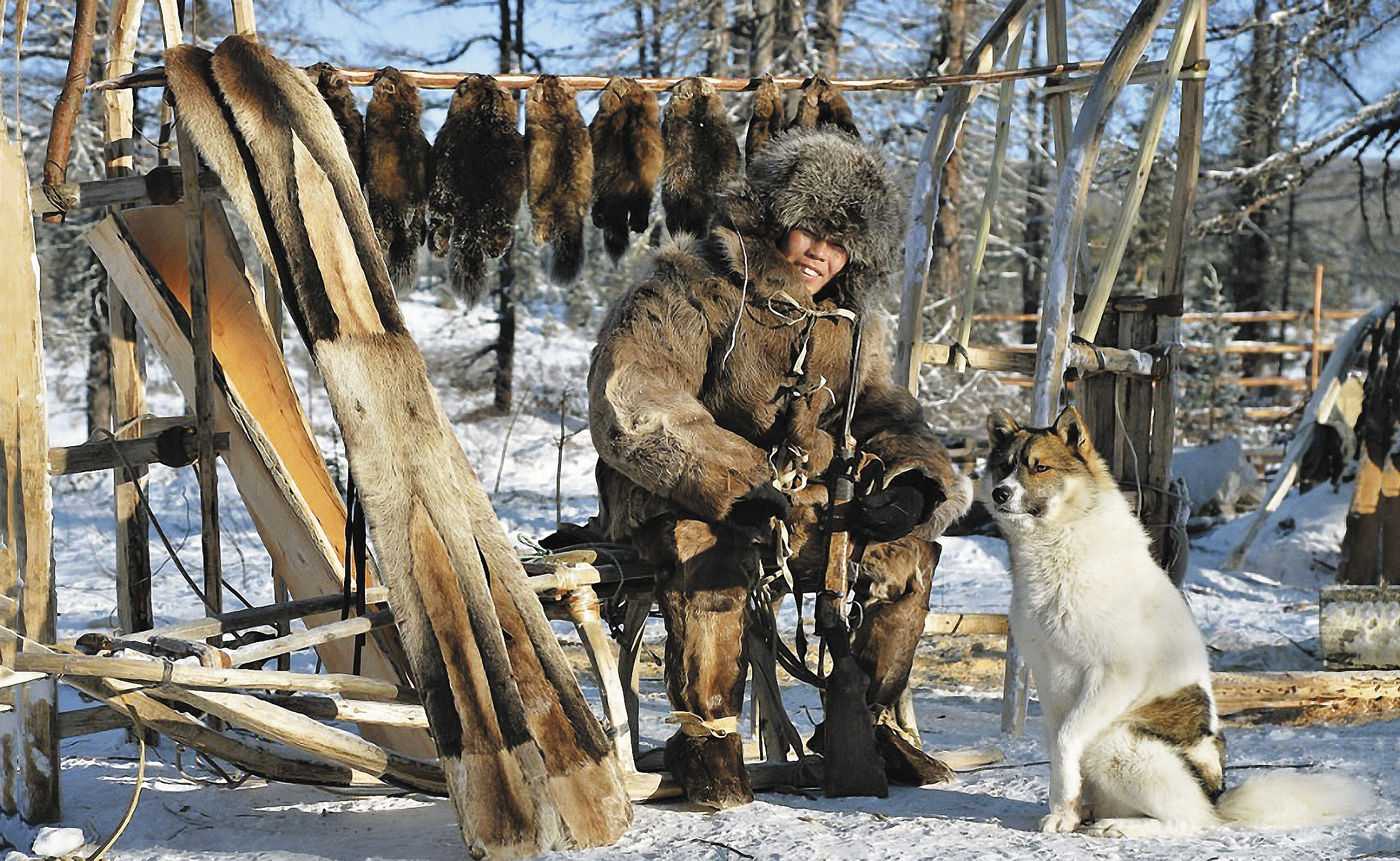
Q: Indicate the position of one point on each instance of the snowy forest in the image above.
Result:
(1297, 209)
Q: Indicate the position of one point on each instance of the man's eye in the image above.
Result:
(1040, 467)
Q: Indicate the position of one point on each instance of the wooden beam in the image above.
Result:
(90, 456)
(1145, 73)
(308, 639)
(355, 711)
(79, 722)
(965, 624)
(1237, 692)
(29, 771)
(161, 186)
(239, 620)
(1113, 360)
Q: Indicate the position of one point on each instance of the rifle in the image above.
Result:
(852, 765)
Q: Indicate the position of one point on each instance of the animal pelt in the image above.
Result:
(821, 104)
(528, 767)
(627, 156)
(398, 169)
(335, 89)
(1119, 664)
(559, 156)
(479, 177)
(701, 155)
(767, 119)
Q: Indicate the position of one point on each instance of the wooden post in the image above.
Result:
(1316, 328)
(128, 362)
(634, 623)
(207, 464)
(28, 725)
(583, 608)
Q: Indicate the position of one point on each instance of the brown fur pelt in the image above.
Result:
(397, 171)
(335, 89)
(701, 155)
(822, 104)
(767, 119)
(479, 176)
(559, 156)
(627, 156)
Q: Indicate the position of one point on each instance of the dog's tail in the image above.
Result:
(1288, 799)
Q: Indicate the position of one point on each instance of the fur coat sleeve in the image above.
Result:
(889, 423)
(644, 414)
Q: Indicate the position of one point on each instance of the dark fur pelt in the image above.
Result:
(479, 176)
(767, 119)
(701, 156)
(560, 161)
(627, 156)
(397, 171)
(335, 89)
(821, 104)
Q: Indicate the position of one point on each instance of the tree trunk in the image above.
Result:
(511, 44)
(656, 31)
(947, 274)
(99, 370)
(792, 27)
(717, 42)
(827, 38)
(1033, 264)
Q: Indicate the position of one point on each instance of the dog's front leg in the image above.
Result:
(1101, 700)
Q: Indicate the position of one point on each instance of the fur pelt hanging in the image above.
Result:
(627, 156)
(527, 765)
(767, 119)
(702, 156)
(821, 104)
(559, 156)
(335, 89)
(397, 171)
(478, 178)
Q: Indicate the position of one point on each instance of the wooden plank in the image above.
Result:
(79, 722)
(584, 611)
(239, 620)
(90, 456)
(29, 732)
(309, 639)
(1237, 692)
(1188, 165)
(128, 375)
(162, 185)
(274, 460)
(1005, 99)
(1316, 365)
(1127, 218)
(1105, 359)
(964, 624)
(244, 20)
(354, 711)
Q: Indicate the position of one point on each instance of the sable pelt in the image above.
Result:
(559, 156)
(767, 119)
(821, 104)
(701, 155)
(479, 177)
(627, 157)
(398, 170)
(335, 89)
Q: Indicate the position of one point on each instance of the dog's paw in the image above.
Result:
(1060, 821)
(1102, 828)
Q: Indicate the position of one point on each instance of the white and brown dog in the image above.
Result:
(1119, 665)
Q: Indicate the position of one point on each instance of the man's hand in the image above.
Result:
(762, 502)
(892, 513)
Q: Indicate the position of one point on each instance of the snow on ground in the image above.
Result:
(1265, 618)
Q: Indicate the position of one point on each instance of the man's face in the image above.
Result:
(817, 260)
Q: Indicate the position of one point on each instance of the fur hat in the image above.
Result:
(832, 186)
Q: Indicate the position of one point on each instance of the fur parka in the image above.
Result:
(689, 381)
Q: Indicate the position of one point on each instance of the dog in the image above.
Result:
(1119, 665)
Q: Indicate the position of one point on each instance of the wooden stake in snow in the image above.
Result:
(527, 764)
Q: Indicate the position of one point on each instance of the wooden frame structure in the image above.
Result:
(1138, 361)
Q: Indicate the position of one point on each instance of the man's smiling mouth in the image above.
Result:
(809, 272)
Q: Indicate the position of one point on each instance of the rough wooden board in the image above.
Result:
(274, 461)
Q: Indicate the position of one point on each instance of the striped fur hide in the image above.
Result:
(528, 766)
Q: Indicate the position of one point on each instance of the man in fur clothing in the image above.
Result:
(717, 388)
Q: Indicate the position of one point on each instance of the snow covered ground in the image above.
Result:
(1264, 619)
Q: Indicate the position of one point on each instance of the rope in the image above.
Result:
(743, 298)
(140, 731)
(694, 726)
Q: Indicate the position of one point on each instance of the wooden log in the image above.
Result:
(1319, 409)
(276, 465)
(309, 639)
(1149, 72)
(1316, 367)
(583, 610)
(91, 456)
(446, 80)
(238, 620)
(69, 101)
(207, 464)
(161, 186)
(355, 711)
(1359, 627)
(93, 719)
(138, 670)
(1112, 360)
(28, 732)
(128, 372)
(1237, 692)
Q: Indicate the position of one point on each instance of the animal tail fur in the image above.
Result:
(1287, 799)
(567, 258)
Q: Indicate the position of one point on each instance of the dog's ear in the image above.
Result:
(1070, 428)
(1001, 426)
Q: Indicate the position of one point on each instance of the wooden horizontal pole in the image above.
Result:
(138, 670)
(86, 721)
(1237, 692)
(1145, 73)
(1194, 317)
(161, 186)
(308, 639)
(356, 711)
(360, 77)
(1020, 358)
(1278, 382)
(203, 629)
(91, 456)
